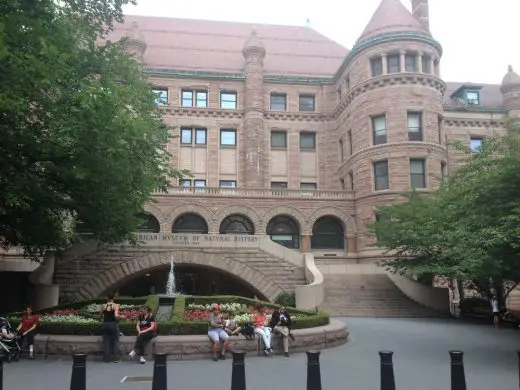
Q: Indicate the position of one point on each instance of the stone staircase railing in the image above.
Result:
(311, 295)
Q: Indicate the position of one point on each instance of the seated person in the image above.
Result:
(231, 326)
(26, 329)
(217, 334)
(146, 330)
(281, 324)
(260, 322)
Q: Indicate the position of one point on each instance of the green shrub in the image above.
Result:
(287, 299)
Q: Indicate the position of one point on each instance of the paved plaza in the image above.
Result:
(421, 362)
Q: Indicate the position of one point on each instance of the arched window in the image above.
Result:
(328, 233)
(237, 224)
(190, 223)
(284, 231)
(83, 228)
(149, 223)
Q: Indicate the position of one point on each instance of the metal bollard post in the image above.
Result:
(238, 371)
(1, 374)
(160, 377)
(458, 379)
(313, 370)
(518, 372)
(387, 371)
(78, 379)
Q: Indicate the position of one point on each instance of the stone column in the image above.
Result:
(351, 243)
(432, 65)
(419, 62)
(253, 135)
(437, 67)
(384, 63)
(305, 246)
(402, 61)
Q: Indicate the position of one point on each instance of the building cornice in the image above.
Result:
(464, 122)
(387, 37)
(451, 108)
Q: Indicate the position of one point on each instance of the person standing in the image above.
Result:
(259, 322)
(26, 329)
(281, 323)
(146, 330)
(496, 311)
(110, 330)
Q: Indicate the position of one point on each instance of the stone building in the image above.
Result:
(291, 135)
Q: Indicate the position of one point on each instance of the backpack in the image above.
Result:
(248, 331)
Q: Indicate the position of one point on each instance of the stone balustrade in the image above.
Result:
(256, 193)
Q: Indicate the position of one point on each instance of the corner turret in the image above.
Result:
(253, 46)
(421, 12)
(135, 43)
(511, 91)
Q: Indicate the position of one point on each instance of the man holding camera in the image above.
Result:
(281, 324)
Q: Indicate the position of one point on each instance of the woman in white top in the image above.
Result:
(496, 311)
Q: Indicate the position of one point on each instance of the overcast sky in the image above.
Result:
(480, 37)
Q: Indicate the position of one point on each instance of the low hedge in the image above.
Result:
(176, 326)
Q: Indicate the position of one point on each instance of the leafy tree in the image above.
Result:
(468, 229)
(81, 133)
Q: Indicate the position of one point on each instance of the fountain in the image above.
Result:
(171, 289)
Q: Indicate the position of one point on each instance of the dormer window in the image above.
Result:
(473, 98)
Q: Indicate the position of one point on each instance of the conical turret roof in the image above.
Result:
(253, 44)
(511, 77)
(391, 16)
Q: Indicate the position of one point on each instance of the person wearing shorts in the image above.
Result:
(217, 334)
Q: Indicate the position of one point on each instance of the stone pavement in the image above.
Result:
(421, 362)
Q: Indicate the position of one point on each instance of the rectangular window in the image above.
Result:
(473, 97)
(351, 181)
(278, 139)
(425, 60)
(228, 137)
(200, 136)
(185, 183)
(199, 183)
(161, 95)
(228, 100)
(308, 186)
(278, 184)
(228, 183)
(379, 129)
(475, 144)
(307, 102)
(376, 64)
(342, 184)
(381, 181)
(194, 98)
(410, 63)
(443, 169)
(417, 173)
(307, 140)
(186, 138)
(393, 64)
(439, 128)
(341, 151)
(278, 102)
(414, 126)
(349, 141)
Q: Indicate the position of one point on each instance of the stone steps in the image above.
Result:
(370, 295)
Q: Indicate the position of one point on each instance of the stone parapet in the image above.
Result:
(191, 347)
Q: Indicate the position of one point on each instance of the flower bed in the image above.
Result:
(189, 315)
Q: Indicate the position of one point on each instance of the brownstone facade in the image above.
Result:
(282, 127)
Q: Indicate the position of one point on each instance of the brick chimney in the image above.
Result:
(421, 12)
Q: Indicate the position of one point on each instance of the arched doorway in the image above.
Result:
(190, 223)
(149, 223)
(237, 224)
(328, 233)
(284, 230)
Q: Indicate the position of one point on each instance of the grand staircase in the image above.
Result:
(370, 295)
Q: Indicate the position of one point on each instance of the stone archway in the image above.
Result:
(332, 211)
(156, 211)
(290, 211)
(104, 280)
(226, 211)
(196, 208)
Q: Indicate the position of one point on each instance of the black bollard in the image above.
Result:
(78, 379)
(160, 377)
(518, 371)
(1, 374)
(458, 379)
(387, 371)
(313, 370)
(238, 372)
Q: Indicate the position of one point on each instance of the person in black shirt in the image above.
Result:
(146, 329)
(281, 323)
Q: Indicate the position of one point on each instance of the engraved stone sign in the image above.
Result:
(187, 240)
